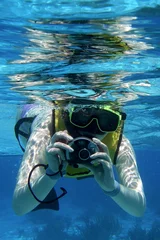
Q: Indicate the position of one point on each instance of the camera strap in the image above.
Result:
(51, 200)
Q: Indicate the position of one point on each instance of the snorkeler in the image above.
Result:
(78, 141)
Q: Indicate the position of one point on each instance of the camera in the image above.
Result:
(83, 149)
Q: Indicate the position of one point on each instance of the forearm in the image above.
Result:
(131, 201)
(131, 197)
(24, 201)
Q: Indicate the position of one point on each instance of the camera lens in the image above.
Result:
(84, 154)
(83, 149)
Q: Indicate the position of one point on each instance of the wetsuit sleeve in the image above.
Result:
(127, 167)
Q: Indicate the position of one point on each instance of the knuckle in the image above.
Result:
(60, 145)
(58, 134)
(57, 144)
(51, 150)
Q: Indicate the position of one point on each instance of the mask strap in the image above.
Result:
(119, 143)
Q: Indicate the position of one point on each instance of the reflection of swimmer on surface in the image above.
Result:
(59, 50)
(52, 150)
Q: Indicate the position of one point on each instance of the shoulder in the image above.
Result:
(33, 119)
(42, 114)
(126, 153)
(43, 117)
(125, 146)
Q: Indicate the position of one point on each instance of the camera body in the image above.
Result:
(83, 149)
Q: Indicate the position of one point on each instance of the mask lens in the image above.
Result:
(82, 117)
(107, 120)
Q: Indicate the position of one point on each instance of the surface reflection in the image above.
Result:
(65, 58)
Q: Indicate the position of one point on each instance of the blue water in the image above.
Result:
(108, 50)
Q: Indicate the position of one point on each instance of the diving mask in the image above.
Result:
(107, 119)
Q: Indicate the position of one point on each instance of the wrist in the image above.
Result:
(52, 175)
(115, 191)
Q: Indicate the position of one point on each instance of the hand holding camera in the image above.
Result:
(102, 167)
(93, 154)
(55, 151)
(63, 149)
